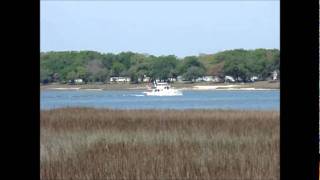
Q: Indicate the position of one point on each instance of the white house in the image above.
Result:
(199, 79)
(146, 79)
(120, 79)
(254, 78)
(274, 75)
(211, 79)
(113, 79)
(217, 79)
(78, 81)
(208, 78)
(124, 79)
(179, 78)
(172, 79)
(229, 79)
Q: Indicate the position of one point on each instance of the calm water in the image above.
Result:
(253, 100)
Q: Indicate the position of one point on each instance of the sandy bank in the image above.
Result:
(63, 88)
(261, 85)
(212, 87)
(226, 87)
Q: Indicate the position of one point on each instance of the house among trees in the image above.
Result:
(145, 79)
(208, 78)
(229, 79)
(78, 81)
(274, 75)
(172, 79)
(179, 78)
(217, 79)
(211, 79)
(239, 64)
(120, 79)
(254, 78)
(199, 79)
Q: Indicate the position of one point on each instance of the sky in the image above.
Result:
(180, 28)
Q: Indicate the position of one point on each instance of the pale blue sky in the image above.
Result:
(181, 28)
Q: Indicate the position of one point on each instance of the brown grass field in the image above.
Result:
(101, 144)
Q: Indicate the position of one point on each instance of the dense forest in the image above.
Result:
(93, 66)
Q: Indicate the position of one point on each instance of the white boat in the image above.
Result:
(163, 89)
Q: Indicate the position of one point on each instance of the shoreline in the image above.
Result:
(261, 85)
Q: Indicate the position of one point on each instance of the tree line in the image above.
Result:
(92, 66)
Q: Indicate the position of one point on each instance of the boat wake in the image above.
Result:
(177, 94)
(136, 95)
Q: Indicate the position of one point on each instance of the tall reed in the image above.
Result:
(85, 143)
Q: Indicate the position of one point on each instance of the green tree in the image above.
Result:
(188, 62)
(133, 74)
(124, 59)
(61, 66)
(81, 72)
(71, 75)
(191, 68)
(238, 70)
(108, 59)
(193, 73)
(117, 69)
(164, 67)
(45, 76)
(102, 75)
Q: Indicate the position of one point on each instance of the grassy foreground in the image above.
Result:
(84, 143)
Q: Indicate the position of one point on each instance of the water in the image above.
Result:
(241, 100)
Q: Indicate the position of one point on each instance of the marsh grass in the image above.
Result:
(85, 143)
